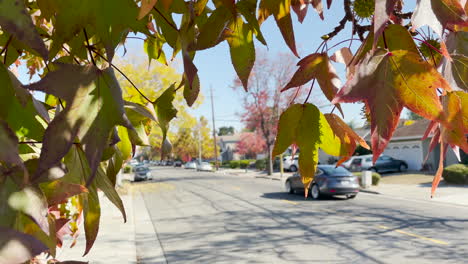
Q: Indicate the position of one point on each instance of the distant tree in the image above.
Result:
(263, 102)
(413, 116)
(251, 144)
(223, 131)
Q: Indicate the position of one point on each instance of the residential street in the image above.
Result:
(203, 217)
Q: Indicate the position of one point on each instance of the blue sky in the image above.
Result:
(215, 69)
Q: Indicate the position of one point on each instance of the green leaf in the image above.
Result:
(15, 19)
(153, 47)
(282, 13)
(191, 93)
(305, 126)
(114, 165)
(24, 248)
(139, 113)
(124, 144)
(32, 202)
(9, 145)
(211, 32)
(165, 111)
(94, 106)
(389, 81)
(105, 185)
(79, 172)
(248, 9)
(239, 37)
(19, 110)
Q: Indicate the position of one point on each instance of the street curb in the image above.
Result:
(368, 191)
(266, 177)
(148, 245)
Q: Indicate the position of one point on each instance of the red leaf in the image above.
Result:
(386, 89)
(383, 10)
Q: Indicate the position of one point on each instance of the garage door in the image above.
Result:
(411, 152)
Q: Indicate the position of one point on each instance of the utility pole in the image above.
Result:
(214, 129)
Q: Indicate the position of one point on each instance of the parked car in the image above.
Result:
(142, 173)
(169, 163)
(328, 180)
(205, 166)
(291, 164)
(190, 165)
(383, 164)
(177, 163)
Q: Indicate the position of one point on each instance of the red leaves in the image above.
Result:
(387, 82)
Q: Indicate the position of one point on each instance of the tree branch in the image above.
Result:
(125, 76)
(165, 19)
(310, 91)
(6, 46)
(89, 47)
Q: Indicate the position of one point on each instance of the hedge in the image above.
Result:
(234, 164)
(456, 173)
(260, 164)
(127, 169)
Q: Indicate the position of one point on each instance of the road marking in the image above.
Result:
(290, 202)
(236, 188)
(440, 242)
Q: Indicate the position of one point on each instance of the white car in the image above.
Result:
(290, 164)
(190, 165)
(205, 166)
(358, 163)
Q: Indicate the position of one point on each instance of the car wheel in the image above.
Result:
(402, 167)
(315, 192)
(288, 187)
(351, 196)
(293, 168)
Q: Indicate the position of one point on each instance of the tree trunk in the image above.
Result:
(270, 162)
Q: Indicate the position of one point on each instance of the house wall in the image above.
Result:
(410, 151)
(433, 159)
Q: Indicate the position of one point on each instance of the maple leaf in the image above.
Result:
(316, 65)
(348, 139)
(389, 81)
(383, 10)
(145, 8)
(455, 66)
(305, 126)
(439, 15)
(282, 13)
(241, 47)
(94, 105)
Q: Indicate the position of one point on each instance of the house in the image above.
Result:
(227, 145)
(407, 144)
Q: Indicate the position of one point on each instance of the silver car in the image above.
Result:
(205, 166)
(329, 180)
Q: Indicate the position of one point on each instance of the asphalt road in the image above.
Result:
(203, 217)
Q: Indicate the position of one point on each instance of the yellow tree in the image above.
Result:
(152, 80)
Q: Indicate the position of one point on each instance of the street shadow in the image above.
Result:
(236, 229)
(443, 185)
(299, 196)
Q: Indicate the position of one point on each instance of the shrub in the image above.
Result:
(260, 164)
(127, 169)
(234, 164)
(456, 173)
(244, 164)
(375, 178)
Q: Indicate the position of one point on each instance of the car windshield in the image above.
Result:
(205, 163)
(140, 169)
(335, 170)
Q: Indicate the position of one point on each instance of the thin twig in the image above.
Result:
(429, 45)
(125, 76)
(384, 40)
(295, 95)
(165, 19)
(341, 42)
(89, 47)
(6, 45)
(69, 53)
(310, 91)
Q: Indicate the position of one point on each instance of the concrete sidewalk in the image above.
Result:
(115, 242)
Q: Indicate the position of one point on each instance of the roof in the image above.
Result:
(413, 131)
(230, 138)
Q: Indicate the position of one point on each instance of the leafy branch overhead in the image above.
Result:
(59, 151)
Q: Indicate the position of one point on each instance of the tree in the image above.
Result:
(189, 141)
(223, 131)
(263, 100)
(251, 144)
(73, 143)
(413, 116)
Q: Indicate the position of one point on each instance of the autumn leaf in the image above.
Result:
(300, 8)
(191, 93)
(9, 141)
(383, 10)
(241, 46)
(389, 81)
(145, 8)
(211, 32)
(282, 13)
(318, 66)
(345, 56)
(348, 139)
(305, 126)
(58, 191)
(455, 67)
(438, 14)
(15, 19)
(248, 9)
(94, 107)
